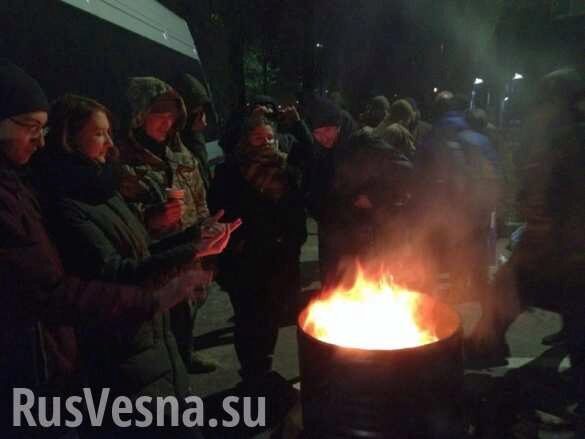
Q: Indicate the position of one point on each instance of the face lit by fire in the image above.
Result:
(262, 135)
(95, 138)
(326, 136)
(371, 314)
(158, 125)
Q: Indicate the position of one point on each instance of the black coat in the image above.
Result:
(268, 242)
(318, 184)
(377, 171)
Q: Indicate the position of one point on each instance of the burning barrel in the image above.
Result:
(380, 362)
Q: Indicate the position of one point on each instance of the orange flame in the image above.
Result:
(371, 314)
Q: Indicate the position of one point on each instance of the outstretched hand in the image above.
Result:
(182, 287)
(215, 235)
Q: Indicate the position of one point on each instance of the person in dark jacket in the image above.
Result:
(260, 268)
(41, 303)
(459, 177)
(331, 129)
(371, 188)
(198, 105)
(546, 266)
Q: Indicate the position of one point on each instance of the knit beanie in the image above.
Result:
(19, 92)
(321, 112)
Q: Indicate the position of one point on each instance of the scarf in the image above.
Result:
(77, 177)
(144, 140)
(264, 167)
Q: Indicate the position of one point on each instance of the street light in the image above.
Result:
(435, 90)
(518, 76)
(319, 45)
(478, 81)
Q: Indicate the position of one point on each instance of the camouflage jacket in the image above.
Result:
(146, 175)
(179, 169)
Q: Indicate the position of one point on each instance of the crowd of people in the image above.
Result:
(108, 246)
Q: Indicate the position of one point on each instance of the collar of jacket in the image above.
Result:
(138, 154)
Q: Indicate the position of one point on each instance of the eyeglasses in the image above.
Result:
(34, 130)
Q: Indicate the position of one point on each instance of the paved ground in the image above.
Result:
(501, 402)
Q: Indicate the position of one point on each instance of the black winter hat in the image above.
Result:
(19, 92)
(321, 112)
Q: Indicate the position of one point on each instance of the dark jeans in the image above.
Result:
(259, 302)
(258, 314)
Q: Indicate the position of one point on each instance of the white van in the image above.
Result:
(91, 47)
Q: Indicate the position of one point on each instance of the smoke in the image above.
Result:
(438, 251)
(435, 241)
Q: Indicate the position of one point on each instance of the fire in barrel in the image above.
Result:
(380, 361)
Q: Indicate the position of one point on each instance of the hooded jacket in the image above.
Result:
(454, 152)
(398, 136)
(375, 112)
(195, 95)
(173, 166)
(457, 192)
